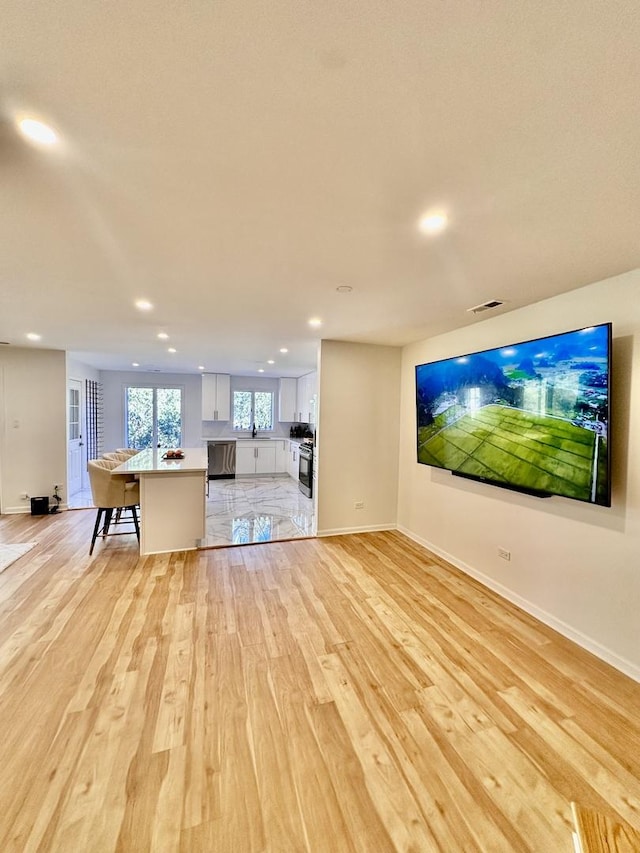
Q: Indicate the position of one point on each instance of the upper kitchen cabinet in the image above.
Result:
(307, 398)
(288, 400)
(216, 397)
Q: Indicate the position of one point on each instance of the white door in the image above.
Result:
(74, 433)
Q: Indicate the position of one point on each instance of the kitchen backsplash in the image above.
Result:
(222, 429)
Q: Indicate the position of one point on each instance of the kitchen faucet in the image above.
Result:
(254, 431)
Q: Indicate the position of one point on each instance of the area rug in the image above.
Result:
(10, 553)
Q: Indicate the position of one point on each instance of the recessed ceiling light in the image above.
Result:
(433, 222)
(270, 361)
(201, 367)
(37, 131)
(33, 336)
(283, 349)
(172, 349)
(261, 370)
(344, 288)
(143, 305)
(315, 322)
(163, 336)
(135, 364)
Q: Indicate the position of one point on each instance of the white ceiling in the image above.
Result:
(235, 162)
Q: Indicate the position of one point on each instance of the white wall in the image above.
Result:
(358, 436)
(574, 565)
(113, 388)
(33, 444)
(81, 371)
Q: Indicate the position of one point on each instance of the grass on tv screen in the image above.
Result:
(532, 416)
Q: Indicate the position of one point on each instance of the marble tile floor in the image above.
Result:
(80, 500)
(257, 509)
(249, 509)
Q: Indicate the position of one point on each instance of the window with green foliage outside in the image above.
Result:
(153, 417)
(253, 407)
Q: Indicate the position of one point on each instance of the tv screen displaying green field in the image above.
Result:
(532, 416)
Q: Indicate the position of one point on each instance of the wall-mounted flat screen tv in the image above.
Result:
(531, 416)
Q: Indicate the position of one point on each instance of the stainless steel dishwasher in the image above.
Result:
(221, 460)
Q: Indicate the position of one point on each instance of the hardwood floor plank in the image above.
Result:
(353, 693)
(472, 819)
(318, 803)
(240, 825)
(598, 833)
(610, 778)
(366, 830)
(396, 806)
(283, 825)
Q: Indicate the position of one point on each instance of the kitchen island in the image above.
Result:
(172, 499)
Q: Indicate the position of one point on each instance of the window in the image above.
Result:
(74, 414)
(153, 417)
(253, 407)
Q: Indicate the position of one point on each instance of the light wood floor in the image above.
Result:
(352, 693)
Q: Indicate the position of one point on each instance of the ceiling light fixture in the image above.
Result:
(143, 305)
(33, 336)
(172, 349)
(261, 370)
(201, 367)
(270, 361)
(37, 131)
(135, 364)
(433, 223)
(283, 349)
(344, 288)
(315, 322)
(163, 336)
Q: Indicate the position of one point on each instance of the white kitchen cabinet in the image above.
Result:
(282, 456)
(288, 399)
(301, 394)
(266, 458)
(255, 457)
(306, 397)
(313, 397)
(245, 458)
(216, 397)
(294, 460)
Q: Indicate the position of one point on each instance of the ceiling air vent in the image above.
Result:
(486, 306)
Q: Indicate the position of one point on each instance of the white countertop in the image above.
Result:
(151, 462)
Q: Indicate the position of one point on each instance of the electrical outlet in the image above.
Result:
(504, 554)
(358, 505)
(24, 496)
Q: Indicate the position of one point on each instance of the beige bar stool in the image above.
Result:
(112, 492)
(116, 456)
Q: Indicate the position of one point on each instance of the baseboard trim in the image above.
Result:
(343, 531)
(586, 642)
(21, 510)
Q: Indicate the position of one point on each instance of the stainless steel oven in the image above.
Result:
(306, 469)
